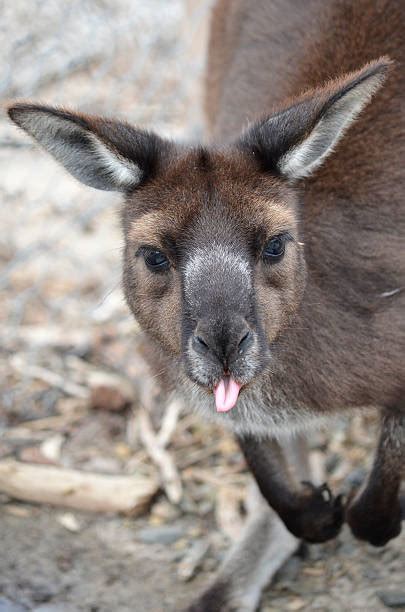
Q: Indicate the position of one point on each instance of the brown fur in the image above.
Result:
(345, 345)
(251, 72)
(332, 309)
(260, 204)
(348, 344)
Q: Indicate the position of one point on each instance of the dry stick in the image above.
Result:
(213, 479)
(193, 457)
(51, 378)
(75, 489)
(48, 423)
(169, 422)
(171, 481)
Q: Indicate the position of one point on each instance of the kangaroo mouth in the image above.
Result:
(226, 394)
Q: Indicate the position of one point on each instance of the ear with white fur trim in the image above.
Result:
(99, 152)
(294, 142)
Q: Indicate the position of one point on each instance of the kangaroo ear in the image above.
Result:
(99, 152)
(295, 141)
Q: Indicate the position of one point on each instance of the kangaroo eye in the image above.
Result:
(274, 249)
(155, 260)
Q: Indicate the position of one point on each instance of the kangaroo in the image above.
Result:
(267, 268)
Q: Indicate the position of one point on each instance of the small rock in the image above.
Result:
(110, 392)
(6, 605)
(51, 447)
(108, 398)
(69, 522)
(392, 599)
(160, 535)
(33, 454)
(296, 604)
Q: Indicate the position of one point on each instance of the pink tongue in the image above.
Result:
(226, 394)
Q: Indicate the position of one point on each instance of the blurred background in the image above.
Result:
(69, 375)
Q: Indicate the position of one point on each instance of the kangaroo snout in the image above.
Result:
(225, 355)
(224, 343)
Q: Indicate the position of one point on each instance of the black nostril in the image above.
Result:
(200, 344)
(201, 341)
(245, 342)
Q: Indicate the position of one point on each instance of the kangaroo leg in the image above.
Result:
(375, 513)
(253, 560)
(309, 512)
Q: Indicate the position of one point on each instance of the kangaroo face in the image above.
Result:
(214, 268)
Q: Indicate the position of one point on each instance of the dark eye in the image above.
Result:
(274, 249)
(156, 260)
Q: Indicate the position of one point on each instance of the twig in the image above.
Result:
(171, 481)
(217, 480)
(52, 422)
(51, 378)
(195, 456)
(169, 422)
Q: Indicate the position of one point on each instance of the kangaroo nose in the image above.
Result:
(225, 342)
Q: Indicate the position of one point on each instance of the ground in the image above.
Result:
(106, 566)
(67, 343)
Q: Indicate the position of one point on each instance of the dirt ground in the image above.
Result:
(67, 343)
(106, 566)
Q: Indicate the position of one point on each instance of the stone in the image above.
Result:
(160, 535)
(392, 599)
(6, 605)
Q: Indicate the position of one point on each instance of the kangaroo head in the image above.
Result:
(214, 265)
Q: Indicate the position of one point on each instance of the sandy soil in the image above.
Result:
(105, 566)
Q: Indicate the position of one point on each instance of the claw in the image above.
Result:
(326, 493)
(319, 517)
(309, 485)
(322, 490)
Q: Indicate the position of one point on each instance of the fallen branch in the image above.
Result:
(74, 489)
(171, 481)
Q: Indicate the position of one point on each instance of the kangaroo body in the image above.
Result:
(270, 280)
(346, 345)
